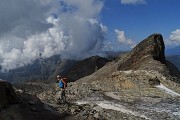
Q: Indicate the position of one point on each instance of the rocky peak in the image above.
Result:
(150, 48)
(86, 67)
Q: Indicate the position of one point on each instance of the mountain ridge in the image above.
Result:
(125, 88)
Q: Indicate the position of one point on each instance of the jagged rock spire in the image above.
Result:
(150, 48)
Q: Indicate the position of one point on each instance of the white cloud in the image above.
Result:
(121, 38)
(174, 38)
(38, 28)
(134, 2)
(175, 35)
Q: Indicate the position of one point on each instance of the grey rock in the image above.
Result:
(98, 109)
(98, 116)
(7, 94)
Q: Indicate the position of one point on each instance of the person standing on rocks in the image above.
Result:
(62, 86)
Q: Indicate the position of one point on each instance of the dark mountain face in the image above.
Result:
(175, 59)
(86, 67)
(78, 69)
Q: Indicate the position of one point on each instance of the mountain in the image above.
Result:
(175, 59)
(48, 69)
(138, 85)
(40, 69)
(148, 51)
(173, 51)
(80, 68)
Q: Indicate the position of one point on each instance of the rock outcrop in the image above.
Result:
(149, 55)
(152, 48)
(7, 95)
(16, 105)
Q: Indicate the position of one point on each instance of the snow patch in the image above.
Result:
(112, 95)
(128, 71)
(82, 102)
(118, 107)
(167, 90)
(110, 105)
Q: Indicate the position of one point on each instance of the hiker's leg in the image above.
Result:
(63, 96)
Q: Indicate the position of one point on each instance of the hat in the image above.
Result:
(58, 76)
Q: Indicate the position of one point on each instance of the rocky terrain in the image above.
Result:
(139, 85)
(18, 105)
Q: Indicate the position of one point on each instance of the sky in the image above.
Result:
(76, 29)
(137, 19)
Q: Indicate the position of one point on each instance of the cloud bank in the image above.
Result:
(43, 28)
(133, 2)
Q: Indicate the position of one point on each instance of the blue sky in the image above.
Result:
(140, 19)
(77, 29)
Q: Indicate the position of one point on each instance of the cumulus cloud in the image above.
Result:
(43, 28)
(21, 17)
(121, 38)
(174, 38)
(175, 35)
(133, 2)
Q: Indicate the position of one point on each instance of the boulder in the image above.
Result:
(154, 82)
(7, 94)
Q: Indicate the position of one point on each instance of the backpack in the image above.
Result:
(61, 84)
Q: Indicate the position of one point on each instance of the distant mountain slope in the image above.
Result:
(175, 59)
(80, 68)
(40, 69)
(114, 53)
(48, 69)
(173, 51)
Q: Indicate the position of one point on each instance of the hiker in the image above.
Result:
(62, 86)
